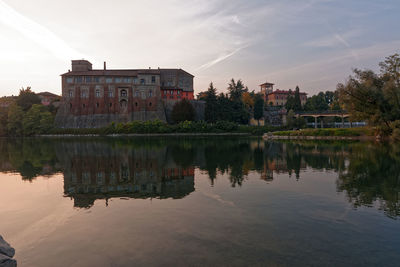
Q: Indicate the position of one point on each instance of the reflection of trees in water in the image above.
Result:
(373, 175)
(30, 157)
(367, 173)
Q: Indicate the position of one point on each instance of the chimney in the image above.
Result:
(105, 67)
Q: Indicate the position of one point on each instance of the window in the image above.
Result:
(97, 105)
(150, 93)
(171, 92)
(78, 79)
(88, 79)
(136, 93)
(96, 79)
(84, 94)
(127, 80)
(178, 92)
(70, 105)
(110, 105)
(153, 79)
(71, 93)
(97, 93)
(135, 80)
(123, 93)
(118, 79)
(136, 104)
(83, 105)
(110, 93)
(150, 104)
(70, 80)
(108, 80)
(142, 81)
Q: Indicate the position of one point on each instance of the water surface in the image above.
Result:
(199, 201)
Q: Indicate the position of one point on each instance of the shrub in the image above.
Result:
(182, 111)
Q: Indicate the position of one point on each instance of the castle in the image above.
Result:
(97, 97)
(278, 97)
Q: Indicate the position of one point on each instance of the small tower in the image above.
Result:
(266, 89)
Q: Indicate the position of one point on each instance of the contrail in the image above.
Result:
(37, 33)
(219, 59)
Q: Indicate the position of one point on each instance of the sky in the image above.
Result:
(314, 44)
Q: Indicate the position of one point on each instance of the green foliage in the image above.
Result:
(38, 120)
(210, 113)
(3, 121)
(183, 111)
(328, 132)
(258, 107)
(374, 97)
(15, 117)
(317, 102)
(297, 101)
(27, 98)
(236, 89)
(159, 127)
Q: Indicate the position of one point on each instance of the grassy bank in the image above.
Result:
(345, 132)
(159, 127)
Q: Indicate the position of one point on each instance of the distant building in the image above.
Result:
(47, 98)
(95, 98)
(278, 97)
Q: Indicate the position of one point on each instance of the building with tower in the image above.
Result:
(97, 97)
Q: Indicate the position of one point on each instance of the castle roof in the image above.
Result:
(124, 72)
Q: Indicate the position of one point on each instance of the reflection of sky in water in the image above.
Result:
(177, 202)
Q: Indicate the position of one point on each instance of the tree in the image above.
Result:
(3, 121)
(375, 97)
(297, 101)
(183, 111)
(258, 108)
(316, 103)
(15, 117)
(27, 98)
(210, 112)
(37, 120)
(290, 103)
(236, 89)
(248, 100)
(290, 119)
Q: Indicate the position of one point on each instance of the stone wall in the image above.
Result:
(64, 119)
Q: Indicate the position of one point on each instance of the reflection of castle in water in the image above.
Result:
(99, 171)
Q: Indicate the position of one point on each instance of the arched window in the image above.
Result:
(123, 93)
(97, 93)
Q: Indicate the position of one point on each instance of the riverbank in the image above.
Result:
(363, 133)
(149, 135)
(158, 128)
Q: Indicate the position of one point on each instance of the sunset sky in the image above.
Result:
(311, 43)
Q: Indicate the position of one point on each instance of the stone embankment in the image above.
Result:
(6, 254)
